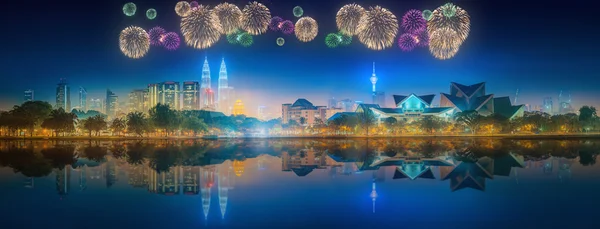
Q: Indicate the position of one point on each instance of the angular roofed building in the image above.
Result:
(412, 107)
(473, 98)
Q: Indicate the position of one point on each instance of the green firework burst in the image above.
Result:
(345, 39)
(280, 41)
(245, 39)
(333, 40)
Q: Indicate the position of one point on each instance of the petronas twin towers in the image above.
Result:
(223, 102)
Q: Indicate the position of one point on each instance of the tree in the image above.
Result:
(366, 119)
(587, 113)
(164, 117)
(60, 121)
(469, 119)
(194, 124)
(96, 123)
(302, 121)
(32, 114)
(429, 124)
(137, 123)
(118, 125)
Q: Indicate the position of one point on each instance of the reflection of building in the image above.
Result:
(469, 174)
(190, 180)
(207, 180)
(111, 172)
(63, 180)
(304, 112)
(412, 167)
(238, 167)
(138, 176)
(304, 162)
(223, 186)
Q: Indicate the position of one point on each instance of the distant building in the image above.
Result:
(63, 95)
(238, 108)
(169, 94)
(96, 105)
(191, 95)
(63, 180)
(346, 105)
(112, 104)
(262, 113)
(83, 106)
(152, 98)
(209, 97)
(205, 89)
(137, 101)
(304, 112)
(28, 95)
(380, 98)
(548, 106)
(332, 103)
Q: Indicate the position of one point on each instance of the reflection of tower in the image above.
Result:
(285, 161)
(152, 180)
(223, 186)
(261, 163)
(373, 196)
(63, 181)
(374, 82)
(207, 180)
(548, 166)
(238, 167)
(83, 178)
(564, 170)
(29, 182)
(190, 180)
(111, 172)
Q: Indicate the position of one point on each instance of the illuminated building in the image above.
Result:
(209, 96)
(473, 97)
(96, 105)
(28, 95)
(373, 80)
(63, 180)
(332, 103)
(262, 113)
(409, 108)
(152, 95)
(547, 105)
(347, 105)
(304, 112)
(83, 99)
(191, 95)
(207, 180)
(168, 182)
(63, 95)
(191, 180)
(373, 195)
(112, 104)
(139, 176)
(412, 167)
(564, 105)
(205, 89)
(225, 93)
(137, 100)
(238, 168)
(169, 94)
(223, 186)
(238, 108)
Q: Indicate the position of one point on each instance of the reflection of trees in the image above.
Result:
(137, 153)
(60, 156)
(587, 158)
(26, 162)
(162, 159)
(94, 153)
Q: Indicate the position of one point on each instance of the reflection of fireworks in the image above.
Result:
(422, 37)
(171, 41)
(427, 15)
(407, 42)
(306, 29)
(298, 11)
(255, 18)
(194, 4)
(134, 42)
(287, 27)
(129, 9)
(412, 21)
(275, 23)
(154, 34)
(151, 13)
(444, 43)
(378, 28)
(459, 22)
(201, 28)
(245, 39)
(280, 41)
(182, 8)
(333, 40)
(229, 15)
(348, 17)
(346, 40)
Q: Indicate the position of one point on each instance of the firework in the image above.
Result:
(154, 34)
(194, 4)
(245, 39)
(422, 37)
(427, 15)
(229, 15)
(348, 17)
(449, 10)
(287, 27)
(134, 42)
(378, 28)
(280, 41)
(346, 40)
(460, 22)
(255, 18)
(171, 41)
(201, 28)
(444, 43)
(232, 37)
(129, 9)
(151, 13)
(182, 8)
(275, 23)
(298, 11)
(333, 40)
(306, 29)
(412, 21)
(407, 42)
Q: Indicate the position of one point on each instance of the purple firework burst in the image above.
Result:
(171, 41)
(422, 37)
(155, 34)
(413, 21)
(287, 27)
(407, 42)
(274, 24)
(194, 4)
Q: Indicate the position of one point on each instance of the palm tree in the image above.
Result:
(118, 125)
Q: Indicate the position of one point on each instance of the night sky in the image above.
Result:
(539, 47)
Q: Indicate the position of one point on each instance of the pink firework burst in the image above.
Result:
(171, 41)
(275, 22)
(194, 4)
(422, 37)
(155, 35)
(413, 21)
(407, 42)
(287, 27)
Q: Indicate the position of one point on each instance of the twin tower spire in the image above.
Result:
(208, 100)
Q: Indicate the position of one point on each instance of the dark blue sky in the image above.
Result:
(539, 47)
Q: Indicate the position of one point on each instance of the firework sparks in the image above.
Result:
(422, 37)
(151, 13)
(333, 40)
(245, 39)
(346, 40)
(306, 29)
(194, 4)
(201, 28)
(298, 11)
(182, 8)
(378, 28)
(129, 9)
(348, 17)
(427, 15)
(407, 42)
(459, 22)
(280, 41)
(232, 37)
(444, 43)
(171, 41)
(255, 18)
(134, 42)
(449, 10)
(154, 34)
(287, 27)
(276, 23)
(229, 15)
(413, 21)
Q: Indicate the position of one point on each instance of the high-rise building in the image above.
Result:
(205, 85)
(63, 95)
(209, 97)
(28, 95)
(332, 103)
(96, 105)
(112, 104)
(137, 100)
(347, 105)
(547, 106)
(169, 94)
(261, 114)
(152, 95)
(374, 82)
(224, 101)
(238, 108)
(380, 98)
(83, 99)
(191, 95)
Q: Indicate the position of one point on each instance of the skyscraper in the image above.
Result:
(28, 95)
(63, 95)
(96, 105)
(191, 95)
(262, 113)
(152, 95)
(238, 108)
(112, 103)
(205, 85)
(209, 97)
(224, 95)
(137, 101)
(332, 103)
(83, 99)
(547, 105)
(374, 82)
(169, 94)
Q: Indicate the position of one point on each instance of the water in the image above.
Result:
(399, 183)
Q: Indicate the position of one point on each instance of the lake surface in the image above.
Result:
(387, 183)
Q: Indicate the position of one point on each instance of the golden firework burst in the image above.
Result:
(306, 29)
(134, 42)
(229, 15)
(255, 18)
(444, 43)
(459, 20)
(201, 28)
(378, 28)
(348, 17)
